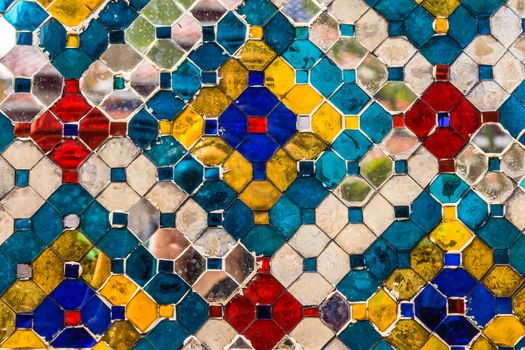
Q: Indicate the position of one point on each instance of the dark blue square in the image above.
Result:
(117, 266)
(165, 80)
(119, 218)
(401, 166)
(395, 73)
(118, 175)
(24, 38)
(256, 78)
(357, 261)
(163, 32)
(70, 129)
(209, 77)
(167, 220)
(306, 168)
(452, 259)
(263, 312)
(210, 126)
(24, 321)
(214, 264)
(347, 29)
(22, 178)
(22, 85)
(310, 265)
(208, 33)
(212, 173)
(118, 312)
(355, 215)
(116, 37)
(485, 72)
(401, 212)
(523, 24)
(497, 210)
(301, 32)
(483, 26)
(352, 168)
(166, 266)
(23, 224)
(214, 219)
(71, 270)
(259, 170)
(395, 28)
(403, 260)
(165, 173)
(407, 310)
(504, 306)
(443, 119)
(501, 256)
(494, 164)
(308, 216)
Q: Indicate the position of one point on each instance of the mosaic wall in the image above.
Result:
(284, 174)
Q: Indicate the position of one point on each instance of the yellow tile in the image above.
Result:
(69, 12)
(518, 304)
(23, 339)
(166, 311)
(141, 311)
(101, 346)
(426, 259)
(477, 258)
(327, 122)
(408, 334)
(165, 127)
(279, 77)
(45, 3)
(382, 310)
(96, 268)
(481, 343)
(256, 32)
(302, 99)
(256, 55)
(92, 4)
(118, 289)
(48, 270)
(359, 311)
(351, 122)
(441, 25)
(504, 330)
(260, 195)
(233, 78)
(72, 245)
(211, 150)
(23, 296)
(121, 335)
(237, 171)
(451, 235)
(433, 343)
(261, 218)
(187, 127)
(72, 40)
(404, 283)
(502, 281)
(281, 170)
(440, 8)
(7, 321)
(304, 145)
(210, 102)
(449, 212)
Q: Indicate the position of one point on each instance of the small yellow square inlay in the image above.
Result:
(359, 311)
(449, 212)
(165, 127)
(351, 122)
(261, 218)
(72, 40)
(441, 25)
(166, 310)
(256, 32)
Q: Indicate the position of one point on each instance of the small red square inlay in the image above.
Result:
(22, 129)
(456, 306)
(398, 121)
(447, 166)
(70, 177)
(490, 117)
(257, 125)
(311, 312)
(441, 72)
(263, 264)
(215, 311)
(72, 318)
(118, 128)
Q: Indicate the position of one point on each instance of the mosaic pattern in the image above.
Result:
(256, 174)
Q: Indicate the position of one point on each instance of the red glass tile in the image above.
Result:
(444, 143)
(94, 128)
(70, 177)
(421, 119)
(447, 166)
(456, 306)
(287, 312)
(215, 311)
(70, 154)
(263, 289)
(442, 96)
(72, 85)
(441, 72)
(240, 312)
(22, 129)
(465, 119)
(118, 128)
(264, 334)
(490, 117)
(311, 312)
(46, 131)
(71, 107)
(263, 264)
(398, 121)
(257, 125)
(72, 318)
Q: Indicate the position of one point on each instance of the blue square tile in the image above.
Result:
(22, 85)
(214, 219)
(117, 266)
(497, 210)
(301, 32)
(452, 259)
(485, 72)
(214, 264)
(23, 224)
(213, 173)
(116, 37)
(403, 260)
(24, 320)
(259, 170)
(494, 164)
(71, 270)
(208, 33)
(395, 28)
(210, 127)
(400, 166)
(357, 261)
(349, 76)
(165, 173)
(119, 218)
(501, 256)
(347, 29)
(255, 78)
(484, 26)
(119, 83)
(263, 312)
(118, 312)
(355, 215)
(352, 168)
(401, 212)
(209, 78)
(310, 265)
(118, 175)
(70, 130)
(163, 32)
(395, 73)
(22, 178)
(443, 119)
(24, 38)
(301, 76)
(504, 306)
(308, 216)
(407, 310)
(167, 220)
(165, 80)
(166, 266)
(306, 168)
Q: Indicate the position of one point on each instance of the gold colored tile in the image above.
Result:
(118, 290)
(210, 102)
(502, 281)
(451, 235)
(24, 339)
(351, 122)
(449, 212)
(260, 195)
(408, 335)
(327, 122)
(165, 127)
(7, 321)
(69, 12)
(256, 55)
(166, 311)
(434, 343)
(426, 259)
(48, 270)
(237, 171)
(141, 311)
(404, 283)
(101, 346)
(23, 296)
(302, 99)
(382, 310)
(281, 170)
(279, 77)
(477, 258)
(72, 245)
(233, 78)
(304, 145)
(96, 268)
(256, 32)
(359, 311)
(72, 40)
(187, 127)
(440, 8)
(504, 330)
(261, 218)
(481, 343)
(211, 150)
(121, 335)
(518, 304)
(441, 25)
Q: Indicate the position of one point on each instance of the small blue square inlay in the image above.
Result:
(117, 266)
(310, 265)
(357, 261)
(118, 174)
(306, 168)
(355, 215)
(166, 266)
(71, 270)
(209, 77)
(395, 73)
(116, 37)
(167, 220)
(24, 321)
(402, 212)
(400, 166)
(214, 219)
(165, 173)
(259, 170)
(118, 312)
(395, 28)
(452, 259)
(70, 130)
(308, 216)
(301, 32)
(494, 164)
(22, 178)
(501, 256)
(210, 127)
(352, 167)
(504, 306)
(119, 219)
(208, 33)
(24, 38)
(483, 26)
(443, 119)
(255, 78)
(497, 210)
(22, 85)
(486, 72)
(347, 29)
(214, 264)
(165, 80)
(301, 76)
(407, 310)
(349, 76)
(212, 173)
